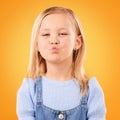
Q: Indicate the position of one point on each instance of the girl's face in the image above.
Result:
(57, 38)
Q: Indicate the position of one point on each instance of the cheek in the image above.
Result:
(41, 49)
(67, 48)
(68, 43)
(41, 44)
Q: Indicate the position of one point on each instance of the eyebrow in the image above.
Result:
(47, 29)
(63, 28)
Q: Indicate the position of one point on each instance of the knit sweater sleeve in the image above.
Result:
(96, 102)
(25, 106)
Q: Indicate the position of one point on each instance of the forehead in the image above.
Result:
(56, 20)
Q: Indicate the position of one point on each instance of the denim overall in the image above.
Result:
(45, 113)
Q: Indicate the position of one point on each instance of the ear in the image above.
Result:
(78, 42)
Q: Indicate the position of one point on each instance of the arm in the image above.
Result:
(96, 103)
(25, 105)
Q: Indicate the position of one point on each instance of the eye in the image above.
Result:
(62, 34)
(45, 34)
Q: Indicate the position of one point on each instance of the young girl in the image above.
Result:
(56, 87)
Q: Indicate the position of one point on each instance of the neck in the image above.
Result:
(61, 71)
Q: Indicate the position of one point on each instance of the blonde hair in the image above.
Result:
(37, 65)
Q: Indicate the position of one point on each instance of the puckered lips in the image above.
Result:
(54, 49)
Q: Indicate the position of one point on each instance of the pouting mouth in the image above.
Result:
(54, 49)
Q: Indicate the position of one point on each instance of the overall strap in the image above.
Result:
(39, 90)
(84, 100)
(38, 112)
(84, 107)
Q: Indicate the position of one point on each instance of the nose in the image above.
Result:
(54, 41)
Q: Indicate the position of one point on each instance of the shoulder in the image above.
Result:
(94, 85)
(27, 86)
(94, 88)
(27, 82)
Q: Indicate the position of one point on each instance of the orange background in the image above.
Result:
(101, 25)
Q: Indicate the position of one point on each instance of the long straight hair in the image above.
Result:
(37, 64)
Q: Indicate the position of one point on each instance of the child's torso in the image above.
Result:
(45, 112)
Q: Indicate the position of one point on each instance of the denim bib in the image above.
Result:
(45, 113)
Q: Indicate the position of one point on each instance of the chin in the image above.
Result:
(57, 61)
